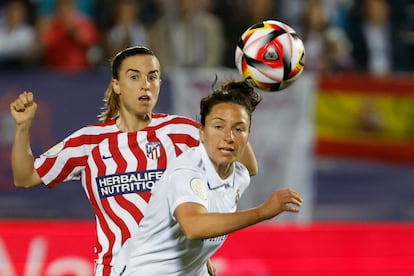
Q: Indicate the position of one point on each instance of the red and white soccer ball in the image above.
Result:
(270, 55)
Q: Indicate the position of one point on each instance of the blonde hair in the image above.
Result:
(111, 105)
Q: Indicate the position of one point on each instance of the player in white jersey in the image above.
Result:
(193, 206)
(119, 158)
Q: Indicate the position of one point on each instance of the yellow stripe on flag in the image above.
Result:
(370, 118)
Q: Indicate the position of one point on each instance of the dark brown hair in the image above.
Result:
(238, 92)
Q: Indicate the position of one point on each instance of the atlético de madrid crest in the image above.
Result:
(153, 150)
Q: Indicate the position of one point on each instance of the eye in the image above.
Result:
(240, 129)
(134, 77)
(153, 77)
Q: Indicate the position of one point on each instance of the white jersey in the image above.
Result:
(159, 246)
(117, 170)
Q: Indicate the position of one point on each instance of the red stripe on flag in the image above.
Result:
(402, 153)
(357, 83)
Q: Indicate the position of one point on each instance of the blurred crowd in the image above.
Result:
(374, 36)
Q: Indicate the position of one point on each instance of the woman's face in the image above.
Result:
(225, 133)
(138, 85)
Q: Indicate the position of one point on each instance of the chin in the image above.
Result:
(226, 161)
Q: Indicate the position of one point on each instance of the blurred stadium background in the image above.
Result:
(345, 140)
(357, 184)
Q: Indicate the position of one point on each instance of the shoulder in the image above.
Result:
(191, 160)
(242, 170)
(99, 127)
(242, 176)
(171, 117)
(161, 118)
(95, 132)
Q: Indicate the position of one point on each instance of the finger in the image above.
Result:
(296, 195)
(291, 208)
(18, 106)
(211, 269)
(30, 97)
(298, 198)
(293, 201)
(26, 98)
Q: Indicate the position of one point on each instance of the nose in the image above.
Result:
(229, 135)
(145, 83)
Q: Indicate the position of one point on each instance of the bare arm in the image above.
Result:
(248, 158)
(23, 110)
(197, 223)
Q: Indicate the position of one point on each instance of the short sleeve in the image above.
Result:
(66, 160)
(187, 186)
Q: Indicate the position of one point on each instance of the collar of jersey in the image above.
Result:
(214, 181)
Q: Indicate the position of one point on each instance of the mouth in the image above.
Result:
(145, 99)
(226, 150)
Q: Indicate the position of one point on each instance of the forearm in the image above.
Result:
(22, 160)
(199, 226)
(197, 223)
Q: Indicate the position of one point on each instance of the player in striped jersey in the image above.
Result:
(119, 159)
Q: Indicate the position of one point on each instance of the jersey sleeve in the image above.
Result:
(67, 159)
(187, 186)
(184, 133)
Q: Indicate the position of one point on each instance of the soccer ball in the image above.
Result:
(270, 55)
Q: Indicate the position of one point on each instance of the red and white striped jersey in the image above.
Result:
(117, 170)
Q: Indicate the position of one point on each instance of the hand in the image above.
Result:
(211, 269)
(23, 109)
(280, 201)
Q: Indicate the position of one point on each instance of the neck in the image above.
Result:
(133, 124)
(225, 170)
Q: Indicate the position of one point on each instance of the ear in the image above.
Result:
(115, 86)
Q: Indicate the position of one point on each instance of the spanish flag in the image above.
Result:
(366, 117)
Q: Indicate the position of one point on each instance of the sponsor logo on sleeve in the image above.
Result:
(199, 188)
(55, 150)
